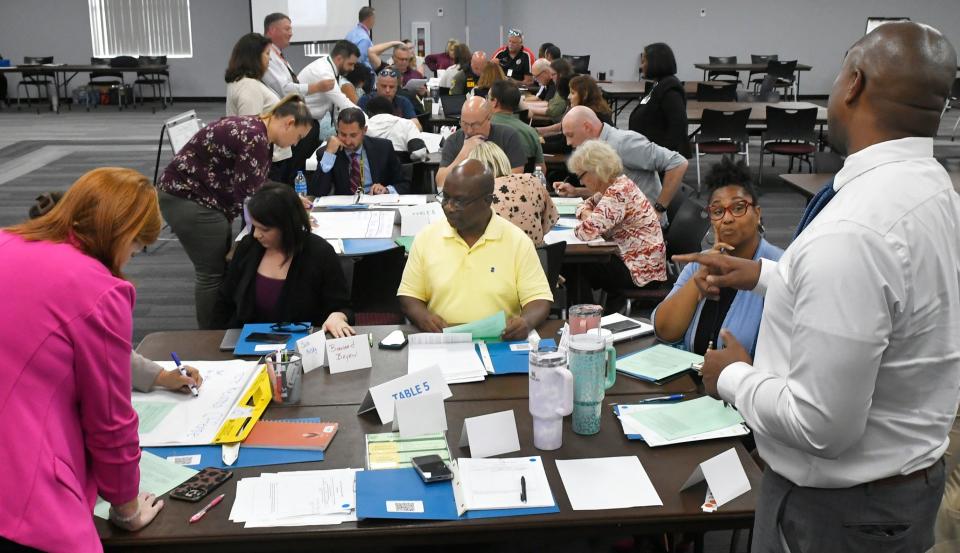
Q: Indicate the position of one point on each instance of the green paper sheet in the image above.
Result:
(157, 476)
(567, 209)
(151, 413)
(679, 420)
(657, 363)
(489, 328)
(405, 241)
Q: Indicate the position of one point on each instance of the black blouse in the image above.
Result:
(663, 118)
(314, 287)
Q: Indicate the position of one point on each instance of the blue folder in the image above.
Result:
(507, 361)
(212, 456)
(375, 488)
(616, 411)
(246, 347)
(361, 246)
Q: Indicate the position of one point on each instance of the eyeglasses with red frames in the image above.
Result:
(737, 209)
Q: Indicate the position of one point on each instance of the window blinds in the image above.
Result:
(140, 28)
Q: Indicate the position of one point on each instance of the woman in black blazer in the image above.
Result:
(662, 114)
(281, 272)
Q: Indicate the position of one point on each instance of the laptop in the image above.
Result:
(452, 105)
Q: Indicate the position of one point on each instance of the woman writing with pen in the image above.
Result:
(70, 430)
(695, 322)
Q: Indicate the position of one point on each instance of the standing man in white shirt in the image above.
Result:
(283, 80)
(340, 61)
(856, 379)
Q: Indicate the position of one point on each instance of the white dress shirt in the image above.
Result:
(857, 370)
(321, 104)
(397, 130)
(279, 76)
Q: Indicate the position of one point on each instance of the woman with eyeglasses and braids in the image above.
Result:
(694, 322)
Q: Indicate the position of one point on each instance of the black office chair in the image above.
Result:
(157, 80)
(551, 259)
(684, 235)
(714, 75)
(755, 78)
(722, 133)
(717, 92)
(580, 64)
(106, 77)
(38, 79)
(790, 132)
(786, 77)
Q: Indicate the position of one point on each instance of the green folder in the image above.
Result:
(489, 328)
(658, 363)
(405, 241)
(567, 209)
(673, 421)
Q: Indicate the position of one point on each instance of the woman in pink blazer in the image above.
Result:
(68, 427)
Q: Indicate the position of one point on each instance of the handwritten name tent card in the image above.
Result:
(382, 396)
(349, 354)
(489, 435)
(312, 350)
(725, 477)
(419, 415)
(414, 218)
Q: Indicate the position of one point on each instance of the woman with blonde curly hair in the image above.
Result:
(65, 381)
(617, 211)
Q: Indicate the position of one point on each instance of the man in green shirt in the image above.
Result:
(504, 96)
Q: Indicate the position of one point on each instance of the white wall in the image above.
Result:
(815, 32)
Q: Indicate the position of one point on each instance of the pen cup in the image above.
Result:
(286, 375)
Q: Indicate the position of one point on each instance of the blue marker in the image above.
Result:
(661, 399)
(183, 371)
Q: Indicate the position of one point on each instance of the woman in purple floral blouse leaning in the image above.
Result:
(203, 188)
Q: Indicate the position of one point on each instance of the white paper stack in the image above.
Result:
(607, 483)
(454, 353)
(170, 418)
(612, 318)
(353, 224)
(495, 483)
(567, 235)
(301, 498)
(632, 427)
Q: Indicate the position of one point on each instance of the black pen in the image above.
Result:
(523, 489)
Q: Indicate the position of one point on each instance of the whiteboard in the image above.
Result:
(313, 20)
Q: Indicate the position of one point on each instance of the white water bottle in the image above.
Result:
(537, 172)
(300, 184)
(551, 395)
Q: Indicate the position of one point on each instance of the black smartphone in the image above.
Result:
(268, 337)
(621, 326)
(200, 484)
(431, 468)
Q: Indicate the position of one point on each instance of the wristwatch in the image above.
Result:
(658, 207)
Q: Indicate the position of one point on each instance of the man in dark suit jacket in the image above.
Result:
(352, 159)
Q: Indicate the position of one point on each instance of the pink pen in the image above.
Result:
(216, 501)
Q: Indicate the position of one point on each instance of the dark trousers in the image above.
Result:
(611, 277)
(302, 151)
(884, 516)
(7, 546)
(280, 171)
(205, 236)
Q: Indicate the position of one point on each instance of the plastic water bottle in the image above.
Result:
(300, 184)
(537, 172)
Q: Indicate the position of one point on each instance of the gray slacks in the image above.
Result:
(204, 234)
(884, 516)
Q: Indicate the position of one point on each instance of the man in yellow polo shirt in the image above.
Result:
(473, 264)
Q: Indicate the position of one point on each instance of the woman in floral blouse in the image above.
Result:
(619, 212)
(203, 188)
(519, 198)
